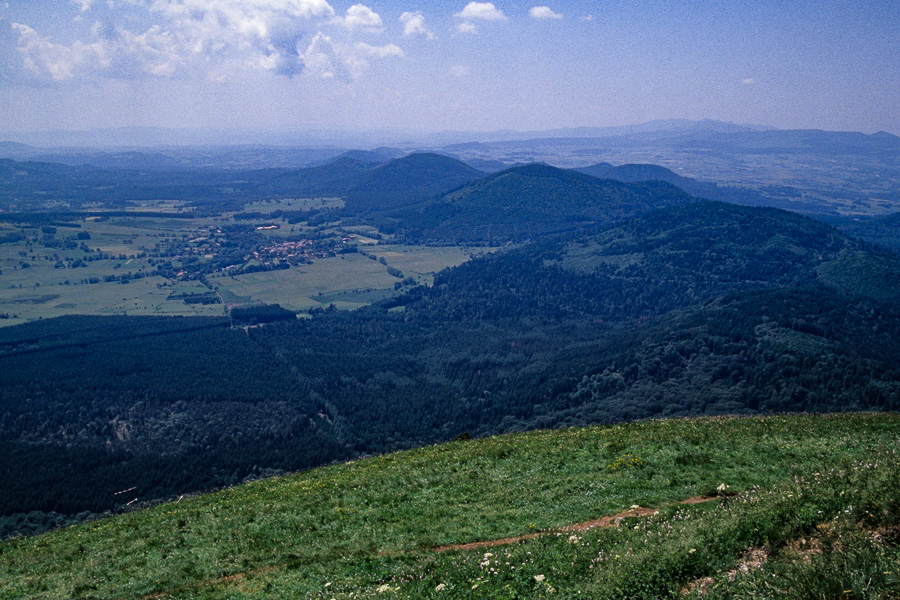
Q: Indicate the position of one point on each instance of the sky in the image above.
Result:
(428, 65)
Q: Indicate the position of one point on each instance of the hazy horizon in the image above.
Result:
(428, 67)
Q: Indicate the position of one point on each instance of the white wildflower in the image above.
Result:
(539, 578)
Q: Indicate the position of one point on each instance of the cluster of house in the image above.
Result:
(303, 250)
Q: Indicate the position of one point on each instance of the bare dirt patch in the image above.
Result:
(752, 559)
(608, 521)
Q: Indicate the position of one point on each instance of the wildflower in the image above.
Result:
(573, 539)
(722, 487)
(539, 578)
(441, 587)
(692, 550)
(383, 588)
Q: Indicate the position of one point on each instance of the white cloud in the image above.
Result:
(414, 24)
(748, 81)
(247, 19)
(240, 10)
(84, 5)
(115, 52)
(59, 62)
(466, 27)
(327, 59)
(386, 51)
(543, 12)
(321, 59)
(190, 37)
(459, 70)
(360, 17)
(587, 18)
(151, 52)
(485, 11)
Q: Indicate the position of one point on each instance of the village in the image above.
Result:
(302, 251)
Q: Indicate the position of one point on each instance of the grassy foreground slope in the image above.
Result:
(369, 528)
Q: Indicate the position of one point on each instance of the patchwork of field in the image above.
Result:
(157, 265)
(347, 281)
(274, 204)
(147, 296)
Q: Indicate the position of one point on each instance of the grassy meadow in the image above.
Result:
(348, 281)
(794, 506)
(49, 287)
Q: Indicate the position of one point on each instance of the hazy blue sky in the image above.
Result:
(425, 65)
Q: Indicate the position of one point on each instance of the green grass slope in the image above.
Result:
(369, 529)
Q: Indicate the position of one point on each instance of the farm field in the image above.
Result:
(146, 296)
(422, 262)
(301, 288)
(149, 265)
(347, 281)
(790, 505)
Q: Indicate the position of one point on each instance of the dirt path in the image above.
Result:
(608, 521)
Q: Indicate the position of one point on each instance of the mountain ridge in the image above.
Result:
(532, 200)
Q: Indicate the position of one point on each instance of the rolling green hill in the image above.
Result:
(882, 231)
(786, 506)
(331, 179)
(525, 202)
(368, 184)
(631, 173)
(407, 181)
(666, 259)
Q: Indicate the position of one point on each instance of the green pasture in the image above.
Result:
(145, 296)
(299, 288)
(422, 262)
(268, 206)
(347, 281)
(370, 529)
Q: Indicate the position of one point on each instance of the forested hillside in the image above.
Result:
(702, 308)
(526, 202)
(407, 181)
(368, 184)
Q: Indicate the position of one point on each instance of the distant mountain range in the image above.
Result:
(144, 137)
(128, 139)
